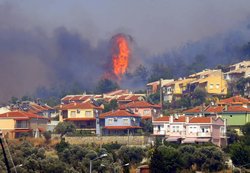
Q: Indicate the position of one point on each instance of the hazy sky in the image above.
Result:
(48, 41)
(156, 25)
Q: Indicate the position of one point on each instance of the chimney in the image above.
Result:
(226, 107)
(187, 119)
(171, 119)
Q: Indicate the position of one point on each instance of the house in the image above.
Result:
(83, 115)
(235, 101)
(153, 87)
(212, 81)
(175, 89)
(15, 123)
(236, 117)
(237, 71)
(185, 129)
(120, 122)
(144, 109)
(78, 98)
(204, 111)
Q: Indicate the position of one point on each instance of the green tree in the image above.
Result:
(209, 158)
(159, 71)
(112, 105)
(198, 96)
(154, 98)
(240, 154)
(165, 159)
(47, 136)
(131, 155)
(141, 72)
(63, 128)
(147, 126)
(106, 85)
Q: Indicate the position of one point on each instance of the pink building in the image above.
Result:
(144, 109)
(186, 129)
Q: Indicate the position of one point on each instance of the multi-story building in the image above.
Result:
(15, 123)
(191, 129)
(120, 122)
(144, 109)
(175, 89)
(83, 115)
(212, 81)
(237, 71)
(153, 87)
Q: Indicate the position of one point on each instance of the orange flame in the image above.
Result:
(120, 55)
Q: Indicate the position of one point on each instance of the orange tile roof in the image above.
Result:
(164, 118)
(214, 109)
(179, 119)
(235, 99)
(80, 119)
(196, 109)
(135, 98)
(66, 98)
(86, 105)
(139, 104)
(118, 113)
(121, 127)
(200, 120)
(20, 114)
(146, 117)
(236, 109)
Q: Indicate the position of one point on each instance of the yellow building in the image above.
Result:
(15, 123)
(212, 81)
(83, 115)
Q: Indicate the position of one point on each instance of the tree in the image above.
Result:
(154, 98)
(132, 155)
(141, 72)
(198, 96)
(165, 159)
(209, 159)
(240, 154)
(65, 127)
(159, 71)
(112, 105)
(106, 85)
(147, 126)
(47, 136)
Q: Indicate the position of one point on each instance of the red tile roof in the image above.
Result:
(200, 120)
(139, 104)
(214, 109)
(20, 114)
(86, 105)
(164, 118)
(121, 127)
(196, 109)
(235, 99)
(146, 117)
(236, 109)
(118, 113)
(179, 119)
(80, 119)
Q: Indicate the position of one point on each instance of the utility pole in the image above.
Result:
(4, 154)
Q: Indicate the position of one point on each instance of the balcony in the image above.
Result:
(204, 134)
(159, 132)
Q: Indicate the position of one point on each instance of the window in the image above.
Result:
(110, 121)
(176, 128)
(88, 113)
(78, 111)
(146, 112)
(211, 86)
(159, 128)
(73, 114)
(125, 121)
(217, 86)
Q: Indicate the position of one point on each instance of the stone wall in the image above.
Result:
(130, 140)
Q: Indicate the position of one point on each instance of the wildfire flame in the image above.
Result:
(120, 55)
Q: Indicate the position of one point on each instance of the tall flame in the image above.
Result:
(120, 55)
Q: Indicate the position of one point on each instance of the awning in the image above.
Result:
(202, 140)
(189, 140)
(173, 139)
(22, 130)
